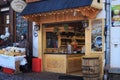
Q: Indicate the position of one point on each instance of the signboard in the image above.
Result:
(116, 16)
(96, 33)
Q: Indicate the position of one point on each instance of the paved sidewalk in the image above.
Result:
(114, 77)
(37, 76)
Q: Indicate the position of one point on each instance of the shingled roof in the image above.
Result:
(53, 5)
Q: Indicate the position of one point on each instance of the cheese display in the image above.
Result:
(13, 51)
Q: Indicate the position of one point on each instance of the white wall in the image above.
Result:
(115, 47)
(102, 12)
(115, 2)
(35, 42)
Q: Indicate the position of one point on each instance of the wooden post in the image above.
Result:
(40, 42)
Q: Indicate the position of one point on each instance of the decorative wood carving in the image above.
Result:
(80, 13)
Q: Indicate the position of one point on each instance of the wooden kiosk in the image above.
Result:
(59, 27)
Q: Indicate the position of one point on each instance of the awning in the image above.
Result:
(53, 5)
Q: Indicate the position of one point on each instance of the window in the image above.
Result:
(7, 19)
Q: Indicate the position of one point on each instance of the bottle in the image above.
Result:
(69, 48)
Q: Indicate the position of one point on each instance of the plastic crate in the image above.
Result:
(7, 70)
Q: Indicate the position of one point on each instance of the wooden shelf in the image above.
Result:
(83, 38)
(66, 37)
(78, 45)
(78, 36)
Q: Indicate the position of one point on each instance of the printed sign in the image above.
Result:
(96, 35)
(116, 16)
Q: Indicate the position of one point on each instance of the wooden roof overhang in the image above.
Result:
(80, 13)
(48, 11)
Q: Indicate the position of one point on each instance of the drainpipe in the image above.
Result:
(107, 40)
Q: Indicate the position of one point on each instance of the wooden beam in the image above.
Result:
(29, 1)
(65, 15)
(12, 28)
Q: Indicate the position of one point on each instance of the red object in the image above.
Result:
(7, 70)
(36, 64)
(75, 46)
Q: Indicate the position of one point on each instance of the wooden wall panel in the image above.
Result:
(60, 18)
(88, 39)
(40, 41)
(55, 63)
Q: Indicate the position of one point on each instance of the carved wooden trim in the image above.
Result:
(80, 13)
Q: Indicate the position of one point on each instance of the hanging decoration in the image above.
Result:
(6, 35)
(18, 5)
(56, 30)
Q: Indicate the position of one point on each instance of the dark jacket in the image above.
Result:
(23, 43)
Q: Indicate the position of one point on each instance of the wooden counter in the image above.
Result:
(62, 63)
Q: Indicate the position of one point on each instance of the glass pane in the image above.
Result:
(7, 21)
(7, 17)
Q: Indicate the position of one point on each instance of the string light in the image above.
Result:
(45, 15)
(74, 12)
(71, 10)
(63, 12)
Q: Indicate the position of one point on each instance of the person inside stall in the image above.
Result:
(75, 46)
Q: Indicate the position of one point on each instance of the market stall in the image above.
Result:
(66, 33)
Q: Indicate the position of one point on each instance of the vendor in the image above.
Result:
(75, 45)
(23, 41)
